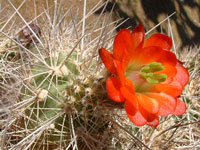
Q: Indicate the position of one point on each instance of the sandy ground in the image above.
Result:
(32, 8)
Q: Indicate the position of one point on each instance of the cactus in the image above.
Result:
(58, 104)
(60, 100)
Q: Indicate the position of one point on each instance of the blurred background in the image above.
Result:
(185, 23)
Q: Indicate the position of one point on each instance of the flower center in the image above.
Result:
(148, 72)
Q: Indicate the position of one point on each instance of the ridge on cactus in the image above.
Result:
(146, 76)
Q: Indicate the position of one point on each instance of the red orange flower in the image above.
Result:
(146, 76)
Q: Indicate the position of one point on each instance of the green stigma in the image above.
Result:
(147, 72)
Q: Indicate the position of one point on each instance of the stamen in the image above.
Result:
(148, 71)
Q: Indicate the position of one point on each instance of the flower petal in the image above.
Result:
(137, 116)
(173, 85)
(120, 70)
(154, 54)
(159, 40)
(137, 37)
(166, 102)
(128, 92)
(174, 88)
(113, 87)
(170, 71)
(153, 120)
(182, 75)
(180, 107)
(107, 59)
(148, 103)
(122, 44)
